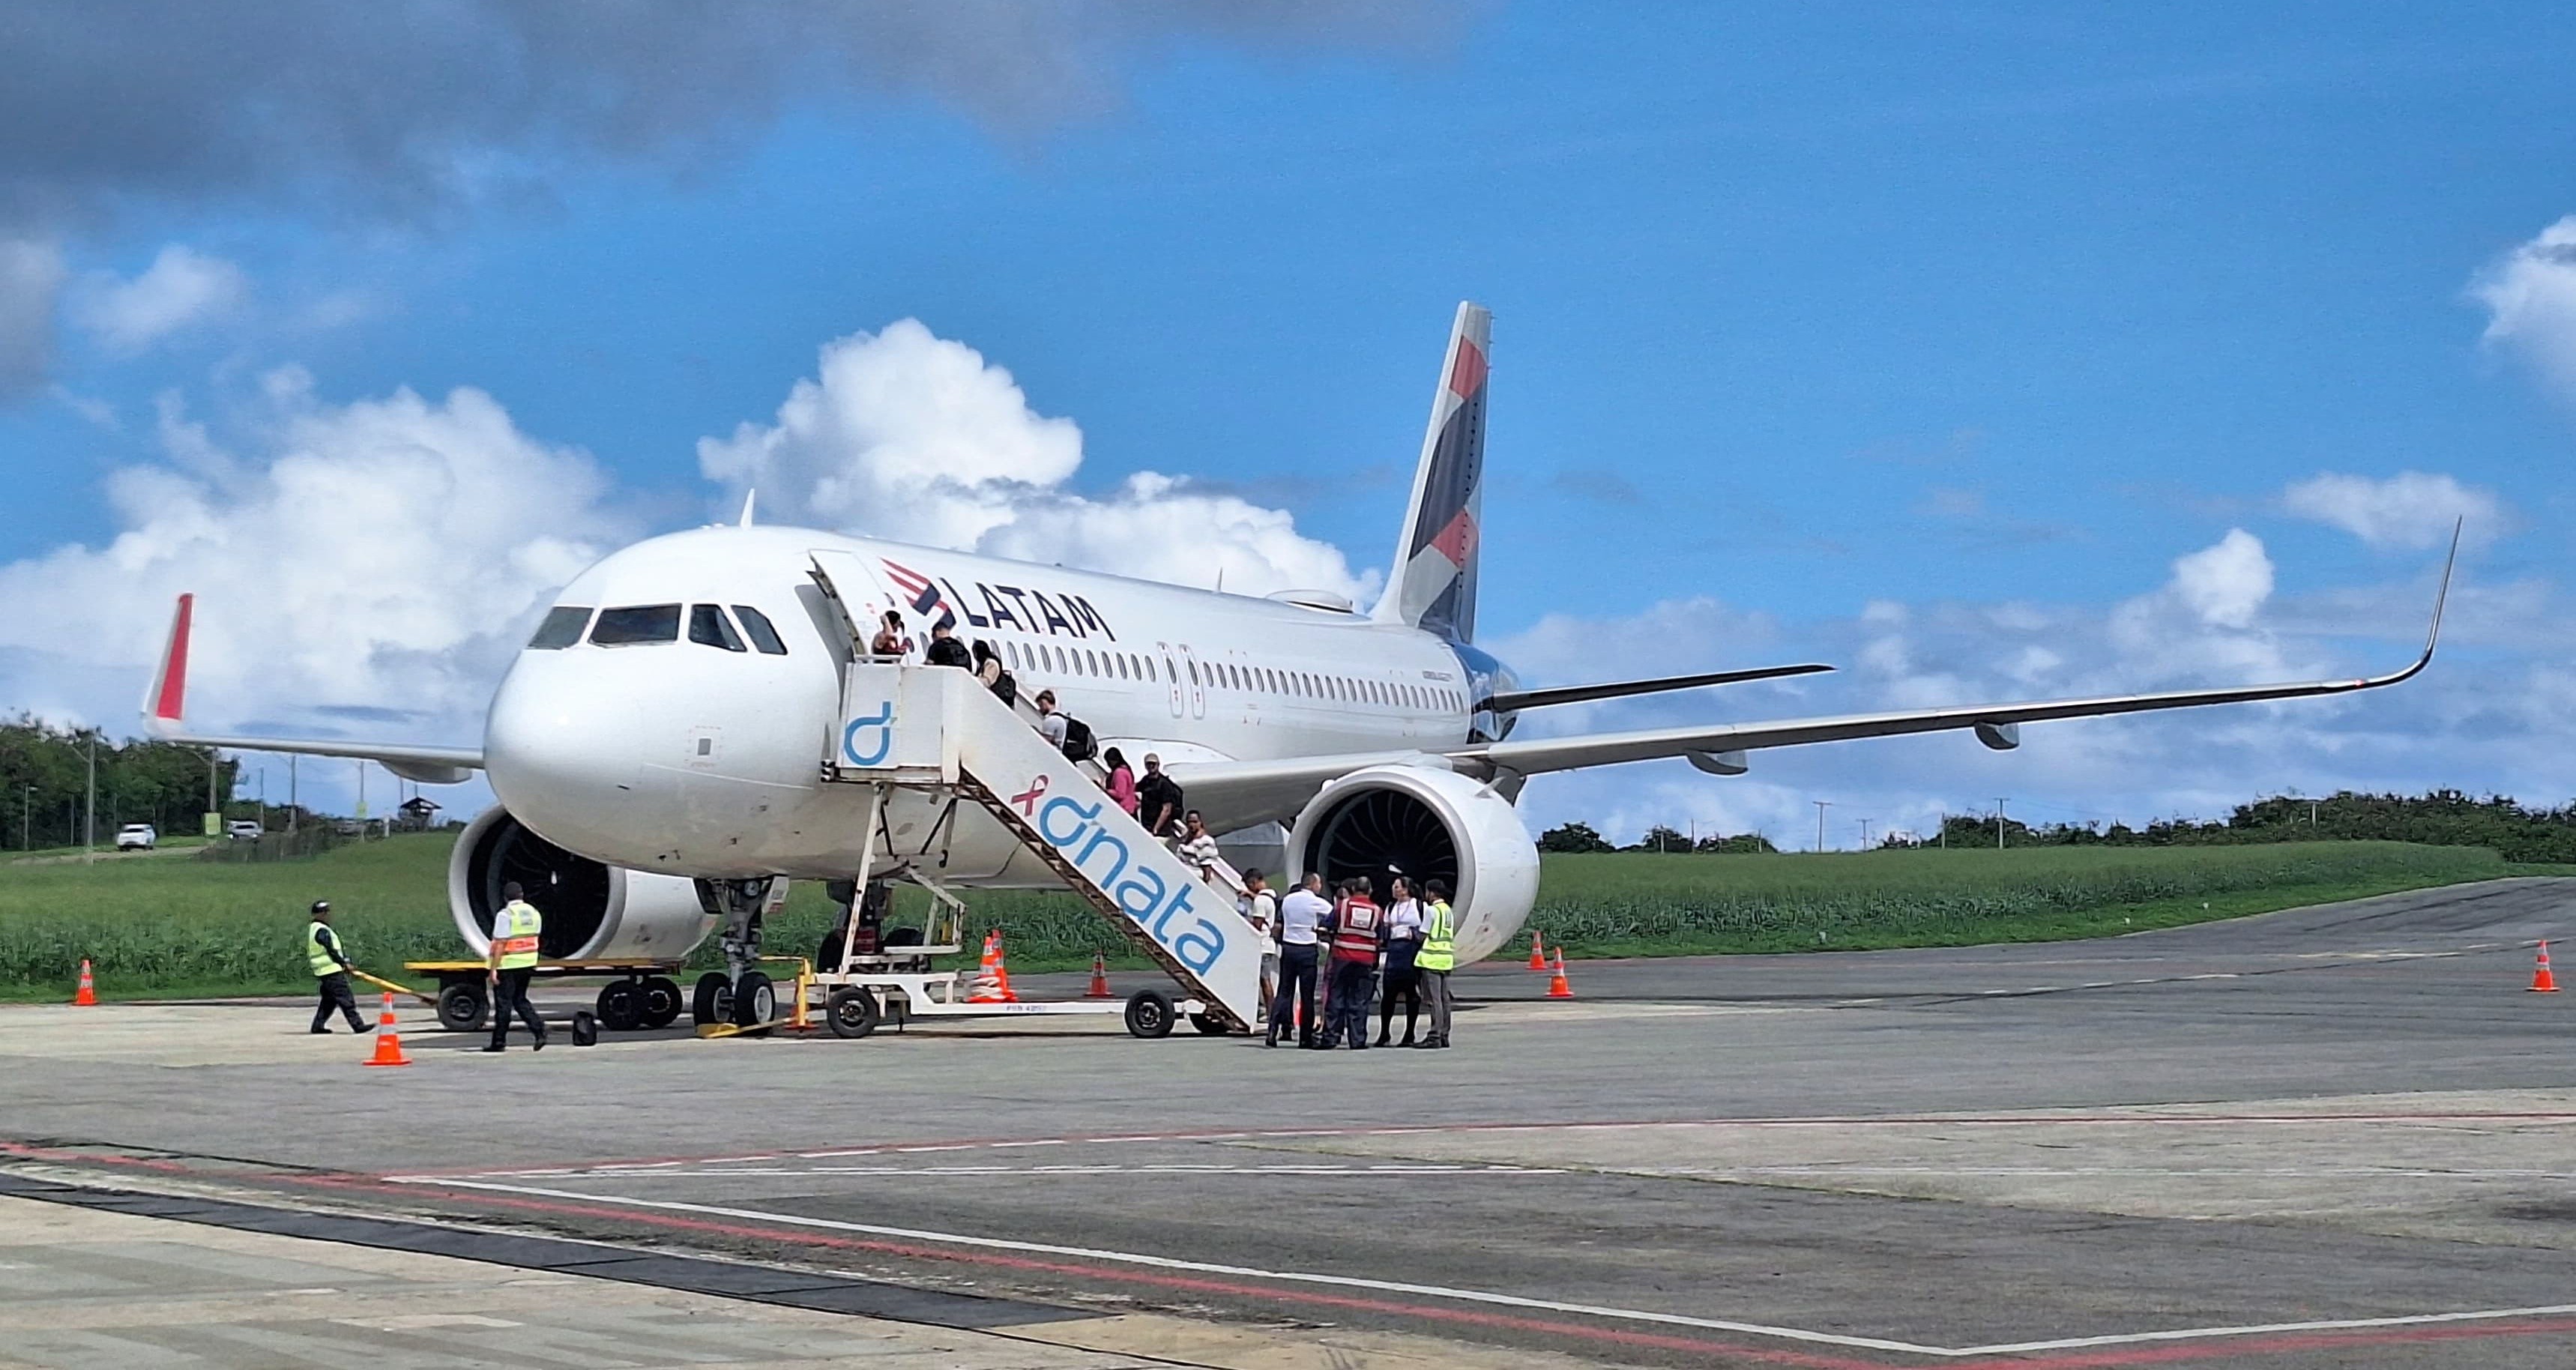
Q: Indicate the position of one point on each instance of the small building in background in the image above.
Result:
(417, 814)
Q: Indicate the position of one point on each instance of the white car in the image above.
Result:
(242, 830)
(135, 836)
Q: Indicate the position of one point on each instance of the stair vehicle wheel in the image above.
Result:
(755, 999)
(1149, 1013)
(661, 1001)
(585, 1029)
(621, 1006)
(713, 1002)
(1209, 1025)
(461, 1006)
(851, 1011)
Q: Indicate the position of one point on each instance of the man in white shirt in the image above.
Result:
(1050, 723)
(1261, 909)
(1299, 915)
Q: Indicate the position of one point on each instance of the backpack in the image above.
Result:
(1079, 744)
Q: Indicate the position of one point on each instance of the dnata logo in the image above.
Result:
(1162, 908)
(866, 741)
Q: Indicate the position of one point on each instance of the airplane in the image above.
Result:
(656, 748)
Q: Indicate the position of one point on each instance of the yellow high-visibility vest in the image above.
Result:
(1439, 939)
(514, 934)
(318, 956)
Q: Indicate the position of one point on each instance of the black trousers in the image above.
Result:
(1402, 982)
(333, 990)
(510, 992)
(1353, 984)
(1296, 991)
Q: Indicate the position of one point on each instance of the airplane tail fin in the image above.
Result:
(165, 705)
(1432, 585)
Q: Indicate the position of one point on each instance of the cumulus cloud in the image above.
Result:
(2530, 297)
(2410, 510)
(2225, 582)
(31, 275)
(182, 288)
(904, 434)
(384, 555)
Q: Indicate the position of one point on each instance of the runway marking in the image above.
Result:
(1796, 1334)
(2126, 1119)
(1174, 1168)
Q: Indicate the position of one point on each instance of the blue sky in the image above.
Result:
(1922, 337)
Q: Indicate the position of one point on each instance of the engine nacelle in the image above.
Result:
(591, 910)
(1430, 825)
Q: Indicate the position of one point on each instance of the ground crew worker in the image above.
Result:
(1300, 914)
(510, 964)
(1436, 958)
(330, 964)
(1358, 927)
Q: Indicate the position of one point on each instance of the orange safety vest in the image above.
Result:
(1355, 932)
(514, 935)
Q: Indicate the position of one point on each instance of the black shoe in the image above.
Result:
(1381, 1039)
(320, 1032)
(1407, 1042)
(363, 1029)
(1425, 1044)
(496, 1046)
(541, 1043)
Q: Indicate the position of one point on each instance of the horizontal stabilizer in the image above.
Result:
(1584, 694)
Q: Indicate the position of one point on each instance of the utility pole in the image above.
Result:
(214, 768)
(293, 804)
(89, 828)
(1945, 830)
(2312, 815)
(1864, 834)
(1999, 821)
(27, 819)
(1821, 806)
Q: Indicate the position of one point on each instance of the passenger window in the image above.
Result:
(561, 629)
(764, 635)
(635, 625)
(709, 627)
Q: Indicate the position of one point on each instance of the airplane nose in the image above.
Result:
(560, 757)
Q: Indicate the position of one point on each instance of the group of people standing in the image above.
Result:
(1404, 949)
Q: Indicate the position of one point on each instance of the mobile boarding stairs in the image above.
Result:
(936, 730)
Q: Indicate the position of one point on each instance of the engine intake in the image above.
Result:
(1426, 825)
(591, 910)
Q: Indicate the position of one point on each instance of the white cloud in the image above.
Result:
(381, 557)
(2409, 510)
(904, 434)
(31, 276)
(2226, 582)
(181, 289)
(2530, 297)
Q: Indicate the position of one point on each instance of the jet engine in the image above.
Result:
(1427, 825)
(591, 910)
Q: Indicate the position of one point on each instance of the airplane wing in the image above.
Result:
(165, 707)
(1264, 791)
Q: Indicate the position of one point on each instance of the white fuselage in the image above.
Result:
(691, 759)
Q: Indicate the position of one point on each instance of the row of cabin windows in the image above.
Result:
(642, 624)
(1226, 675)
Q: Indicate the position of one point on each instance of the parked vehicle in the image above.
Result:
(242, 830)
(137, 837)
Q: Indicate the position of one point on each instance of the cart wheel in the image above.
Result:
(460, 1006)
(620, 1006)
(851, 1011)
(713, 1003)
(585, 1029)
(661, 1001)
(755, 999)
(1209, 1025)
(1149, 1013)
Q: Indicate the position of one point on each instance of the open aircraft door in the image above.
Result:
(858, 593)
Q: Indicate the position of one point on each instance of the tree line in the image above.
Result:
(44, 784)
(2443, 818)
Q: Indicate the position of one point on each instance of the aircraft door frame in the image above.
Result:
(1171, 675)
(1197, 682)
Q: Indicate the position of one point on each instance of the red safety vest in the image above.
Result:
(1355, 932)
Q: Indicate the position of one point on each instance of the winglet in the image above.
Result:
(2432, 635)
(748, 498)
(166, 703)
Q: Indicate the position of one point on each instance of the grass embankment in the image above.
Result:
(177, 926)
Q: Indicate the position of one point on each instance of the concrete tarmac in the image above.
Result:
(2334, 1136)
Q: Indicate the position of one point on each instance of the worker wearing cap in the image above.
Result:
(330, 966)
(1438, 956)
(510, 962)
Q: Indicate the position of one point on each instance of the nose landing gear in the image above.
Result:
(738, 994)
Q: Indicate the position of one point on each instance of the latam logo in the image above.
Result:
(1004, 606)
(1161, 908)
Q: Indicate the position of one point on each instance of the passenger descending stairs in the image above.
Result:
(936, 728)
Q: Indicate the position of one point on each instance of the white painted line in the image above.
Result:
(1173, 1168)
(2328, 1325)
(1516, 1301)
(1213, 1268)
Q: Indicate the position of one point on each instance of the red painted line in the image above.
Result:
(2212, 1348)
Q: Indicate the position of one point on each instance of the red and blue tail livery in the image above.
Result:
(1434, 587)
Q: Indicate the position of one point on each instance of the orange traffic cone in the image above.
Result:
(1556, 987)
(1538, 959)
(2542, 982)
(988, 984)
(1002, 971)
(1099, 978)
(87, 995)
(388, 1042)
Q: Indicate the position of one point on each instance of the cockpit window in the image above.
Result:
(561, 629)
(763, 636)
(709, 626)
(636, 624)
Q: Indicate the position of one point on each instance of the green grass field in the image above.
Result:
(177, 926)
